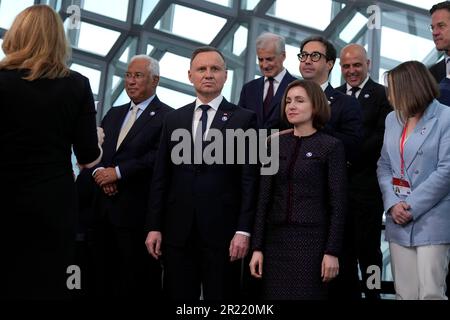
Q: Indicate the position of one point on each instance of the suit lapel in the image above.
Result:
(419, 135)
(117, 124)
(259, 100)
(223, 115)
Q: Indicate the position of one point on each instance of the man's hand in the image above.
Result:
(105, 176)
(110, 189)
(239, 246)
(153, 244)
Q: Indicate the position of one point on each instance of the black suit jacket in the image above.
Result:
(135, 158)
(375, 107)
(215, 200)
(345, 122)
(438, 70)
(252, 99)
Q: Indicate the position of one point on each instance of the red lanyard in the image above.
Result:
(402, 149)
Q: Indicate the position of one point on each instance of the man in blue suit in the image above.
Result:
(132, 134)
(263, 95)
(317, 57)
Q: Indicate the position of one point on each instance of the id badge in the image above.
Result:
(401, 187)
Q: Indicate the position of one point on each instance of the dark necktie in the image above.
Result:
(200, 134)
(354, 90)
(204, 119)
(268, 99)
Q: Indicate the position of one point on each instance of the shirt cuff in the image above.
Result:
(119, 176)
(243, 233)
(93, 172)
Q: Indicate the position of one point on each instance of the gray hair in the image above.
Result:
(153, 64)
(267, 38)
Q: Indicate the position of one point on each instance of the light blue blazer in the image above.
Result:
(427, 168)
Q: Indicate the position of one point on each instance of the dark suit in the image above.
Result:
(120, 229)
(198, 209)
(365, 200)
(439, 70)
(252, 98)
(345, 122)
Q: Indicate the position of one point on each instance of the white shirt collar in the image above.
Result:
(144, 104)
(279, 77)
(214, 103)
(360, 86)
(324, 85)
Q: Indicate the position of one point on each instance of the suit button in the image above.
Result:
(416, 172)
(420, 152)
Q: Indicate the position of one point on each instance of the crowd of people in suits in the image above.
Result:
(157, 228)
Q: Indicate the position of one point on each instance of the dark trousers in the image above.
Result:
(123, 267)
(189, 268)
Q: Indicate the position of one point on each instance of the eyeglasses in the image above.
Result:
(315, 56)
(136, 75)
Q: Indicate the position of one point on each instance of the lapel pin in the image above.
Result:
(225, 117)
(309, 154)
(366, 95)
(422, 131)
(152, 113)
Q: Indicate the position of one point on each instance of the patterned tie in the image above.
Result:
(268, 99)
(127, 126)
(354, 90)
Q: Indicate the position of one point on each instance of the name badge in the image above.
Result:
(401, 187)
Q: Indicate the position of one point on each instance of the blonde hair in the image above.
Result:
(411, 88)
(36, 42)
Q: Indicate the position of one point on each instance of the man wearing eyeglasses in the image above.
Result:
(317, 57)
(440, 28)
(263, 95)
(132, 134)
(365, 199)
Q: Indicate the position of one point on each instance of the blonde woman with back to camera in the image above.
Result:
(46, 111)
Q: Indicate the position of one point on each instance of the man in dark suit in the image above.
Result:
(440, 28)
(365, 200)
(200, 214)
(263, 95)
(132, 134)
(317, 57)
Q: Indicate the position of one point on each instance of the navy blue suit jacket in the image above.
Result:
(438, 70)
(135, 158)
(215, 200)
(345, 122)
(252, 99)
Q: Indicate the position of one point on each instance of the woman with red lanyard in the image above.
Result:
(414, 177)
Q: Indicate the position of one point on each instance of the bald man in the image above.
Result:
(365, 202)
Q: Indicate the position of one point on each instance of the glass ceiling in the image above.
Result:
(112, 31)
